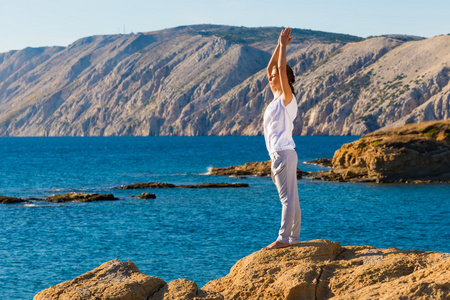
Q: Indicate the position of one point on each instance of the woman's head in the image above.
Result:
(274, 79)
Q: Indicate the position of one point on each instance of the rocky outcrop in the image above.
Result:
(411, 153)
(213, 185)
(318, 269)
(147, 185)
(183, 289)
(118, 280)
(251, 168)
(69, 197)
(211, 80)
(162, 185)
(111, 280)
(12, 200)
(80, 197)
(260, 169)
(323, 269)
(146, 196)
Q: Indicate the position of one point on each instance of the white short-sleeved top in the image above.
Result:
(278, 124)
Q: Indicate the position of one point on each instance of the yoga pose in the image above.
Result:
(278, 126)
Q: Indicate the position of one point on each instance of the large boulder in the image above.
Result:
(183, 289)
(287, 273)
(322, 269)
(112, 280)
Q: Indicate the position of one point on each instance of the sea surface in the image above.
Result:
(197, 234)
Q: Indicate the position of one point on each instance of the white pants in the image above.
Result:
(284, 175)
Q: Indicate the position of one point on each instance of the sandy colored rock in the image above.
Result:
(80, 197)
(318, 269)
(183, 289)
(408, 153)
(288, 273)
(251, 168)
(322, 269)
(112, 280)
(146, 196)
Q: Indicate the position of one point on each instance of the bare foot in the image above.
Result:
(276, 245)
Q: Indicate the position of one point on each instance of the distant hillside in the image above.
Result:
(211, 80)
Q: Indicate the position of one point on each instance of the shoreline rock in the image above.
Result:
(317, 269)
(414, 153)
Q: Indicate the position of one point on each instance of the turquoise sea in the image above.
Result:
(197, 234)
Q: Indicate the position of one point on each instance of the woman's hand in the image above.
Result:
(285, 38)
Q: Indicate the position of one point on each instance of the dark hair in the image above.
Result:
(291, 78)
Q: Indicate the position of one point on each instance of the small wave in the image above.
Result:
(208, 171)
(30, 205)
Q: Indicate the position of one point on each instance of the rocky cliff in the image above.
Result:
(410, 153)
(211, 80)
(318, 269)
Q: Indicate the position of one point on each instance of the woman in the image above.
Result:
(278, 126)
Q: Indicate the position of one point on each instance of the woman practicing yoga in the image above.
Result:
(278, 126)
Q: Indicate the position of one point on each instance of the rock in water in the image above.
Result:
(212, 185)
(11, 200)
(80, 197)
(146, 196)
(411, 153)
(251, 168)
(112, 280)
(147, 185)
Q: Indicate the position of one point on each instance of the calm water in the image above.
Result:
(195, 234)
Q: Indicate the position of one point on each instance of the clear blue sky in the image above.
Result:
(57, 22)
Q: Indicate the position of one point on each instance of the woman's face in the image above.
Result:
(274, 80)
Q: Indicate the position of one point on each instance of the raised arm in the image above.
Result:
(273, 61)
(284, 40)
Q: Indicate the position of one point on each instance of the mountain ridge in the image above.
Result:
(211, 80)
